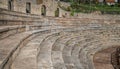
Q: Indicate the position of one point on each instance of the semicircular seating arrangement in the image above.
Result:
(69, 43)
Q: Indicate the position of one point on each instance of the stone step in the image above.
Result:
(51, 49)
(10, 50)
(75, 55)
(9, 45)
(89, 50)
(75, 51)
(57, 50)
(67, 52)
(6, 31)
(82, 44)
(44, 57)
(85, 51)
(27, 58)
(92, 54)
(58, 62)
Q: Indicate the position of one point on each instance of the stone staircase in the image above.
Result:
(57, 43)
(60, 48)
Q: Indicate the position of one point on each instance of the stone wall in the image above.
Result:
(51, 6)
(20, 6)
(3, 4)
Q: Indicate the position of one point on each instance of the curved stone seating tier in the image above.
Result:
(78, 56)
(6, 31)
(8, 47)
(55, 43)
(29, 53)
(45, 52)
(53, 49)
(68, 53)
(11, 46)
(105, 61)
(89, 51)
(16, 63)
(72, 53)
(57, 49)
(61, 48)
(68, 57)
(82, 55)
(88, 22)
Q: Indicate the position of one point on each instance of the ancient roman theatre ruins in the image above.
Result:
(31, 37)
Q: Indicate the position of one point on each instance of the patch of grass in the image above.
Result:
(89, 8)
(96, 7)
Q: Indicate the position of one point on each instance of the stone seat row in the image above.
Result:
(11, 46)
(55, 48)
(58, 50)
